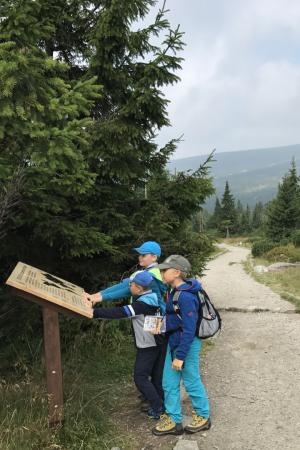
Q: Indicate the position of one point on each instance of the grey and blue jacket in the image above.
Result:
(144, 305)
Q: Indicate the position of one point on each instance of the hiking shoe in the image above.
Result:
(167, 426)
(198, 423)
(154, 413)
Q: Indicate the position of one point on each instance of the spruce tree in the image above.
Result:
(228, 215)
(283, 212)
(245, 220)
(239, 215)
(258, 216)
(81, 105)
(216, 217)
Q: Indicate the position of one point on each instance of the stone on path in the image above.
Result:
(184, 444)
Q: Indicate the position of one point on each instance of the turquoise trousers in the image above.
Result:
(190, 376)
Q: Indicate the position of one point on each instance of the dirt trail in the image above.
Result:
(253, 372)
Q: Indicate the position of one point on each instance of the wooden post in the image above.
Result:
(53, 366)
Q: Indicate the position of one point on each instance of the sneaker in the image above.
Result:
(154, 413)
(198, 423)
(167, 426)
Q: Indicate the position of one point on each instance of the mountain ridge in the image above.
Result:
(253, 175)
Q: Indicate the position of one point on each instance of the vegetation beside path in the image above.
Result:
(285, 282)
(97, 381)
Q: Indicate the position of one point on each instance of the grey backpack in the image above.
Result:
(209, 320)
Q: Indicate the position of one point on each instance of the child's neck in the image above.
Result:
(177, 282)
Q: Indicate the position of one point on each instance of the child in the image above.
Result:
(149, 252)
(148, 346)
(182, 359)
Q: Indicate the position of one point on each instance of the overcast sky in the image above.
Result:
(240, 82)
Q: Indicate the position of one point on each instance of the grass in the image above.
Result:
(97, 381)
(285, 282)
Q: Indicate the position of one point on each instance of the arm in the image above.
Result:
(116, 291)
(121, 312)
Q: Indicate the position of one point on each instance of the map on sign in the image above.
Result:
(49, 287)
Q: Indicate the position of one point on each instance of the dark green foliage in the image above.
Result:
(258, 216)
(284, 211)
(228, 223)
(296, 238)
(285, 253)
(81, 103)
(215, 218)
(262, 246)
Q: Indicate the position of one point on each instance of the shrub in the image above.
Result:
(262, 246)
(288, 253)
(296, 238)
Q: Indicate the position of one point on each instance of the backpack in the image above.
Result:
(209, 320)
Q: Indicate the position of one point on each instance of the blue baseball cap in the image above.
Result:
(143, 278)
(149, 247)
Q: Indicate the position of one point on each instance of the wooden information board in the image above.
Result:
(49, 288)
(54, 295)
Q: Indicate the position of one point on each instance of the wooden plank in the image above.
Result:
(42, 302)
(49, 288)
(53, 366)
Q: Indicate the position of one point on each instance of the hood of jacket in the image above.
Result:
(191, 285)
(150, 298)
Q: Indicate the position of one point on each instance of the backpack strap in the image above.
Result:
(175, 305)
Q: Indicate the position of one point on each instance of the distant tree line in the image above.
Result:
(230, 217)
(275, 221)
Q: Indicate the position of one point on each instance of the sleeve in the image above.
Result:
(189, 315)
(116, 291)
(116, 312)
(121, 312)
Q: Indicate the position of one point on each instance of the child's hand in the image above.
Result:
(92, 299)
(177, 364)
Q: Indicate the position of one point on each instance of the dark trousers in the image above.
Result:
(148, 370)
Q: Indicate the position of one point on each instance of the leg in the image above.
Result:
(158, 368)
(144, 362)
(171, 386)
(192, 380)
(170, 422)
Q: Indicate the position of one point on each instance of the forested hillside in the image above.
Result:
(252, 174)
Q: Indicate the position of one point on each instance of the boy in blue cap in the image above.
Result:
(148, 346)
(148, 254)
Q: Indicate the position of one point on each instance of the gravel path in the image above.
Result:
(253, 372)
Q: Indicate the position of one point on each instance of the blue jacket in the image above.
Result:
(182, 329)
(121, 290)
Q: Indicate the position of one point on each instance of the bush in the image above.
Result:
(262, 246)
(288, 253)
(296, 238)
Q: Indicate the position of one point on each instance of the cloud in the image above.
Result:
(240, 83)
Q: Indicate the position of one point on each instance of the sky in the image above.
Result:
(240, 81)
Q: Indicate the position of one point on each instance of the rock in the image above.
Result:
(184, 444)
(281, 265)
(260, 269)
